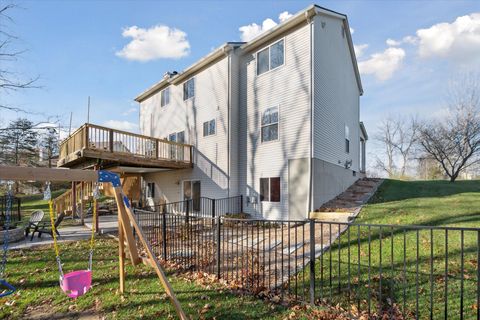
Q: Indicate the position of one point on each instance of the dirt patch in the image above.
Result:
(44, 312)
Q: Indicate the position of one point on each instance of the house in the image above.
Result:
(275, 119)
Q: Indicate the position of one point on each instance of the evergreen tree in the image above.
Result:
(18, 143)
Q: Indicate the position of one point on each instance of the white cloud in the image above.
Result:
(459, 40)
(121, 125)
(284, 16)
(393, 43)
(252, 30)
(384, 64)
(359, 49)
(129, 111)
(153, 43)
(352, 31)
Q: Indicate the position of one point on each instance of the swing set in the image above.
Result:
(77, 283)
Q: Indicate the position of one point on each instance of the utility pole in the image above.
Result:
(70, 127)
(88, 110)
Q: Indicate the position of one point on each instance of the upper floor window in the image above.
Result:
(270, 124)
(270, 189)
(189, 89)
(271, 57)
(165, 97)
(209, 128)
(347, 139)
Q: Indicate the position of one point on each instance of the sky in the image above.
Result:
(408, 51)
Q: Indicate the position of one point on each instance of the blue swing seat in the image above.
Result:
(7, 288)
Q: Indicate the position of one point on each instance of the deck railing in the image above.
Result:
(102, 139)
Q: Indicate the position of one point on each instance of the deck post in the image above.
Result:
(110, 139)
(74, 199)
(241, 203)
(312, 261)
(82, 202)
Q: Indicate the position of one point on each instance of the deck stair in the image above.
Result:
(64, 202)
(346, 206)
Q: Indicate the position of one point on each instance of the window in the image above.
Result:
(347, 139)
(189, 89)
(270, 124)
(209, 128)
(165, 97)
(270, 189)
(271, 57)
(150, 190)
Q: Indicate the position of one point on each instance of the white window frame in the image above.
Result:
(269, 179)
(161, 96)
(347, 138)
(269, 57)
(194, 89)
(262, 125)
(209, 134)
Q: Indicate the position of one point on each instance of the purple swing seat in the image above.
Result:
(76, 283)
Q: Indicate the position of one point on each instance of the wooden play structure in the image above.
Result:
(126, 219)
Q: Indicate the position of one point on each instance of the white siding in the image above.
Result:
(287, 87)
(210, 156)
(336, 94)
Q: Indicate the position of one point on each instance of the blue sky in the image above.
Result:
(73, 46)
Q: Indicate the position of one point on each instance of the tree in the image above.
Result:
(49, 144)
(19, 143)
(9, 79)
(454, 142)
(398, 137)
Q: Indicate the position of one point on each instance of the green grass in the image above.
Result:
(380, 262)
(35, 275)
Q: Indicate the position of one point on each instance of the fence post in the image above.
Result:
(187, 210)
(218, 245)
(241, 203)
(312, 261)
(164, 235)
(213, 208)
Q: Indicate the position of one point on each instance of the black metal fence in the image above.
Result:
(202, 207)
(15, 209)
(368, 269)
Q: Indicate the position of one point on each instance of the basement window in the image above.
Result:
(270, 189)
(150, 190)
(271, 57)
(164, 97)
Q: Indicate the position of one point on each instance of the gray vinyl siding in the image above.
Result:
(287, 87)
(336, 99)
(210, 156)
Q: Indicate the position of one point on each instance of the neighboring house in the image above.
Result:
(275, 119)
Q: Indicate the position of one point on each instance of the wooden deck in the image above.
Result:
(91, 144)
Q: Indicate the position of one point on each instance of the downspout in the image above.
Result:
(226, 51)
(309, 17)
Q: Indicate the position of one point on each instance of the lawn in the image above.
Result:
(400, 265)
(34, 273)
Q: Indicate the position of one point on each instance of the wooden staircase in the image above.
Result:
(64, 202)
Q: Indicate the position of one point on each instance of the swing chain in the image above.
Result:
(60, 269)
(6, 227)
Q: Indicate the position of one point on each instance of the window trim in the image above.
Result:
(161, 93)
(208, 121)
(269, 180)
(269, 58)
(347, 139)
(278, 124)
(194, 90)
